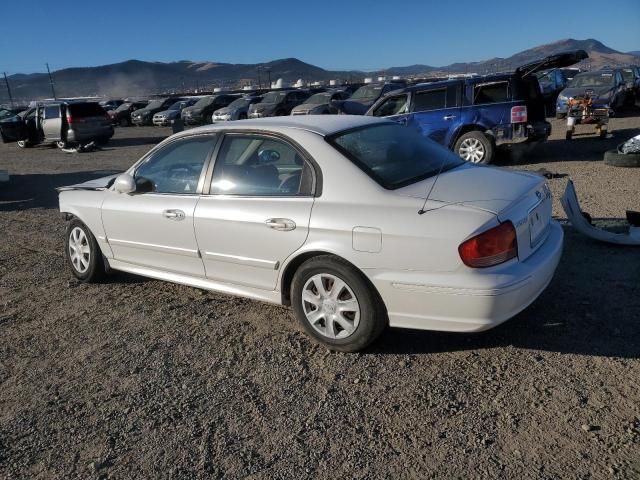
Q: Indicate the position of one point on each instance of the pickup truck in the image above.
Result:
(473, 116)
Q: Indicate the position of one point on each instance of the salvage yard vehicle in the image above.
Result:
(144, 116)
(631, 76)
(201, 112)
(236, 110)
(473, 116)
(356, 222)
(552, 82)
(581, 110)
(165, 117)
(322, 103)
(277, 103)
(606, 88)
(122, 115)
(367, 95)
(61, 123)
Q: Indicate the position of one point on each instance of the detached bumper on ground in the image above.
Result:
(460, 303)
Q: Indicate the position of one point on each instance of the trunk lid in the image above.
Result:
(522, 198)
(558, 60)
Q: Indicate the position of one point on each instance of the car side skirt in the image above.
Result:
(269, 296)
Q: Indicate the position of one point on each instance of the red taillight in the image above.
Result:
(490, 248)
(69, 118)
(519, 114)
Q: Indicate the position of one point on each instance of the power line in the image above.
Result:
(53, 90)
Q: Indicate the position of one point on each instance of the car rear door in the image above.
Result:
(437, 111)
(154, 227)
(51, 121)
(255, 211)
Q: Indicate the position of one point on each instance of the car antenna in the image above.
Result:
(422, 210)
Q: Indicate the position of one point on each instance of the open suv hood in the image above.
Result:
(558, 60)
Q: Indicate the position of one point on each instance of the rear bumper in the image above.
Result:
(522, 132)
(468, 301)
(76, 136)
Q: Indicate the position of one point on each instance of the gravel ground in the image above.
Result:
(136, 378)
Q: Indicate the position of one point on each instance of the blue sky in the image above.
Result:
(357, 34)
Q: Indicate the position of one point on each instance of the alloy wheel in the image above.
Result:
(330, 306)
(472, 150)
(79, 250)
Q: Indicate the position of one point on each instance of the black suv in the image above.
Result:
(202, 111)
(367, 95)
(144, 116)
(278, 103)
(122, 115)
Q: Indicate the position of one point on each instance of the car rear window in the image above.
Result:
(86, 110)
(394, 155)
(492, 92)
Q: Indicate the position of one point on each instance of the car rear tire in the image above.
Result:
(336, 304)
(102, 140)
(242, 116)
(61, 144)
(24, 144)
(82, 253)
(627, 160)
(475, 147)
(125, 122)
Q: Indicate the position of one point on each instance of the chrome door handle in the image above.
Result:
(176, 215)
(282, 224)
(449, 117)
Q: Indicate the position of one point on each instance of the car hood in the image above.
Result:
(101, 183)
(572, 92)
(190, 109)
(487, 188)
(356, 107)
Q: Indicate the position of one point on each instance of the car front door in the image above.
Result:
(436, 112)
(256, 210)
(153, 227)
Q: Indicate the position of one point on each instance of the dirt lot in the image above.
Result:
(136, 378)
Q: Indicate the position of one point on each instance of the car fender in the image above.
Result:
(86, 205)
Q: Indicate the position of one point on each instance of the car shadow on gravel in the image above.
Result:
(585, 146)
(133, 141)
(592, 307)
(24, 192)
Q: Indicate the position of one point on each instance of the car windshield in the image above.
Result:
(204, 102)
(394, 155)
(368, 91)
(123, 107)
(240, 102)
(592, 80)
(319, 99)
(273, 97)
(178, 105)
(155, 104)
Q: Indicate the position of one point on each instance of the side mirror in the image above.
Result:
(268, 156)
(124, 184)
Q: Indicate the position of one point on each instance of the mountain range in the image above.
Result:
(135, 77)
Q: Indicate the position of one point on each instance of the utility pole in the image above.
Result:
(53, 90)
(269, 73)
(259, 78)
(6, 80)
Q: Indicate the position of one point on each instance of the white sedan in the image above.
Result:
(356, 222)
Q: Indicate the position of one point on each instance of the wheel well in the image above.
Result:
(292, 267)
(469, 128)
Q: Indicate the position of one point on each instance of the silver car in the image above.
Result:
(236, 110)
(355, 222)
(60, 123)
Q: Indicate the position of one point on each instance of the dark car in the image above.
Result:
(322, 103)
(367, 95)
(112, 104)
(236, 110)
(552, 82)
(58, 122)
(473, 116)
(606, 88)
(278, 103)
(631, 76)
(144, 116)
(122, 115)
(201, 112)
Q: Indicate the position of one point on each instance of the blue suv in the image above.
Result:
(472, 116)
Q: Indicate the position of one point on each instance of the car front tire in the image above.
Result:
(336, 304)
(82, 253)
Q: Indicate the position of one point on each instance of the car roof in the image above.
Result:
(320, 124)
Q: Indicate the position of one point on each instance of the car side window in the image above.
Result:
(175, 168)
(492, 92)
(394, 105)
(430, 100)
(52, 111)
(253, 165)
